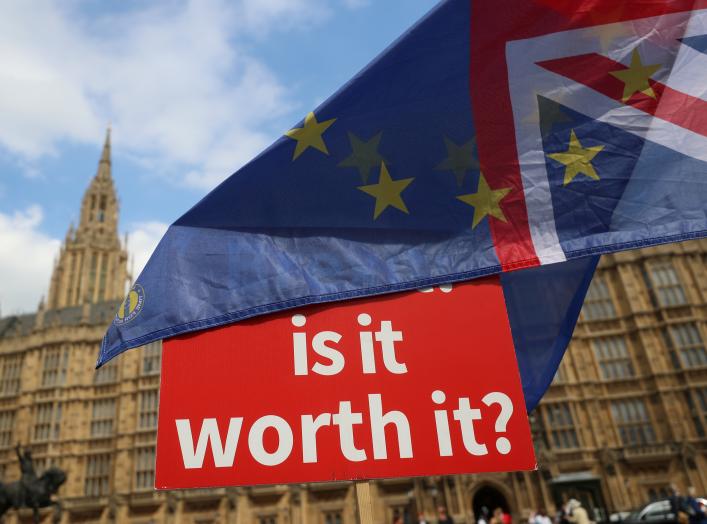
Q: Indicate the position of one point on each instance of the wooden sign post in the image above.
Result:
(364, 501)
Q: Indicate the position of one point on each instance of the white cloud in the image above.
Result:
(259, 16)
(26, 259)
(41, 101)
(142, 241)
(174, 78)
(27, 256)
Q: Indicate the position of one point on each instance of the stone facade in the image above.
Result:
(627, 411)
(625, 416)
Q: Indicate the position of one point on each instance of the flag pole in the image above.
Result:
(365, 504)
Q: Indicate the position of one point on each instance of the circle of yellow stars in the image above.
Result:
(387, 192)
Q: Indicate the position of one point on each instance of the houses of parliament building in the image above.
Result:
(626, 415)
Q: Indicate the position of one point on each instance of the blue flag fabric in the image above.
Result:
(383, 188)
(543, 305)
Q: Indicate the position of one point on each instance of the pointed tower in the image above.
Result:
(92, 263)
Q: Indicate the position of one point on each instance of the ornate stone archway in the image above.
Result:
(492, 494)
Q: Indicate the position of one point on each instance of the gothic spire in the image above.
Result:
(99, 209)
(104, 171)
(92, 265)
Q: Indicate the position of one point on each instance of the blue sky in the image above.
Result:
(193, 90)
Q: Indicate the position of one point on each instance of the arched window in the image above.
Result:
(101, 215)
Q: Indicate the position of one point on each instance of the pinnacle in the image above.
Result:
(104, 167)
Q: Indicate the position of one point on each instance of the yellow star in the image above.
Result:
(460, 159)
(364, 155)
(635, 78)
(485, 201)
(577, 159)
(387, 192)
(550, 113)
(310, 135)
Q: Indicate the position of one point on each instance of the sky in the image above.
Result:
(192, 91)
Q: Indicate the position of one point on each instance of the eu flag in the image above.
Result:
(525, 143)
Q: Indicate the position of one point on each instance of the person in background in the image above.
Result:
(497, 516)
(693, 507)
(506, 517)
(540, 517)
(577, 514)
(483, 517)
(421, 519)
(677, 505)
(444, 517)
(561, 515)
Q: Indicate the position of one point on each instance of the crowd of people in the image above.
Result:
(572, 513)
(443, 517)
(687, 510)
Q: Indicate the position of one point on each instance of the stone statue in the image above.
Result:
(32, 491)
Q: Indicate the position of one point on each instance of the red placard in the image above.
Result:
(418, 383)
